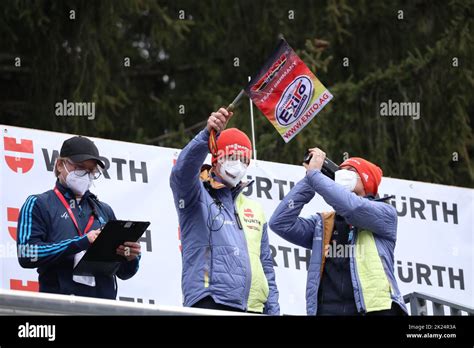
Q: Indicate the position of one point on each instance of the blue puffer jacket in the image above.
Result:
(215, 260)
(377, 217)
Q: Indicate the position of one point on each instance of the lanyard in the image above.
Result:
(71, 215)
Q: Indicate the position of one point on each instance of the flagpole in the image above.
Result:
(212, 142)
(253, 128)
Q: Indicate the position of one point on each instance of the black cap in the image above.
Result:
(80, 149)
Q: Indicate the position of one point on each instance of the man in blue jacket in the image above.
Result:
(226, 257)
(351, 269)
(56, 227)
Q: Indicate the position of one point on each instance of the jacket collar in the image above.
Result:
(209, 178)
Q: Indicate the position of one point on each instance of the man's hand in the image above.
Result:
(129, 250)
(317, 160)
(92, 235)
(218, 120)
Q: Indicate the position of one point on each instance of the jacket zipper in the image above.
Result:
(321, 270)
(210, 266)
(356, 276)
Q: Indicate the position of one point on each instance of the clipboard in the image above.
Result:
(101, 258)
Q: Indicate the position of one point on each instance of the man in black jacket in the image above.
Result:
(56, 227)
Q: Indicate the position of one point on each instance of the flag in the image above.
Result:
(287, 92)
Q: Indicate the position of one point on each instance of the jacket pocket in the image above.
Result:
(385, 268)
(259, 289)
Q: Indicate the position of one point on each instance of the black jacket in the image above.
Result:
(48, 240)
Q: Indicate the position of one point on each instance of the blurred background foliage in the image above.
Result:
(183, 57)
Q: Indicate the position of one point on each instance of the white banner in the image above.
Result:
(433, 253)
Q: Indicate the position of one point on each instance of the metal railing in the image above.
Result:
(14, 302)
(418, 305)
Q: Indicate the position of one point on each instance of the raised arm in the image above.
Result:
(184, 179)
(378, 217)
(286, 222)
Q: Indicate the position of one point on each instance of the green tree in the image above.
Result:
(188, 58)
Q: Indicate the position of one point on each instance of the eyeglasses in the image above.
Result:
(94, 174)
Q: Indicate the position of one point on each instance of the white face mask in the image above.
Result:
(78, 184)
(232, 171)
(346, 178)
